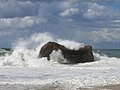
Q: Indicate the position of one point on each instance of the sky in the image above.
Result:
(94, 22)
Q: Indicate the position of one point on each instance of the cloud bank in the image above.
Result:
(14, 8)
(89, 21)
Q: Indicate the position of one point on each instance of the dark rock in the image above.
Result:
(73, 56)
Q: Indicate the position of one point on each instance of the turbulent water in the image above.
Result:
(108, 52)
(103, 52)
(21, 65)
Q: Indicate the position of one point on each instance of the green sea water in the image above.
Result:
(108, 52)
(5, 51)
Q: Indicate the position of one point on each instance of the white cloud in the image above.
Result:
(106, 35)
(69, 12)
(14, 8)
(21, 23)
(96, 11)
(76, 19)
(28, 22)
(93, 0)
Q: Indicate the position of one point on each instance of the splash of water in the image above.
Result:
(26, 51)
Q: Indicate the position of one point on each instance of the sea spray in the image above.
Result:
(25, 68)
(70, 44)
(57, 57)
(26, 50)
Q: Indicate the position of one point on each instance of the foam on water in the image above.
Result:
(25, 55)
(26, 51)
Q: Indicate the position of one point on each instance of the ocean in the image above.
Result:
(103, 52)
(108, 52)
(21, 69)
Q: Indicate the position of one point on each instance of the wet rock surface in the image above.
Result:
(81, 55)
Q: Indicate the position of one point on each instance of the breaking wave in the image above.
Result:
(25, 52)
(21, 66)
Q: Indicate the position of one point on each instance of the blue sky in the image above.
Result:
(95, 22)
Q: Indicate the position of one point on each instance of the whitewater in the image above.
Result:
(23, 67)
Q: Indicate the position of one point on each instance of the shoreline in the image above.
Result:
(54, 87)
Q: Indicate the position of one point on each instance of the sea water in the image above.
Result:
(20, 65)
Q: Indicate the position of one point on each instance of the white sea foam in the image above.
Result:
(24, 66)
(70, 44)
(26, 51)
